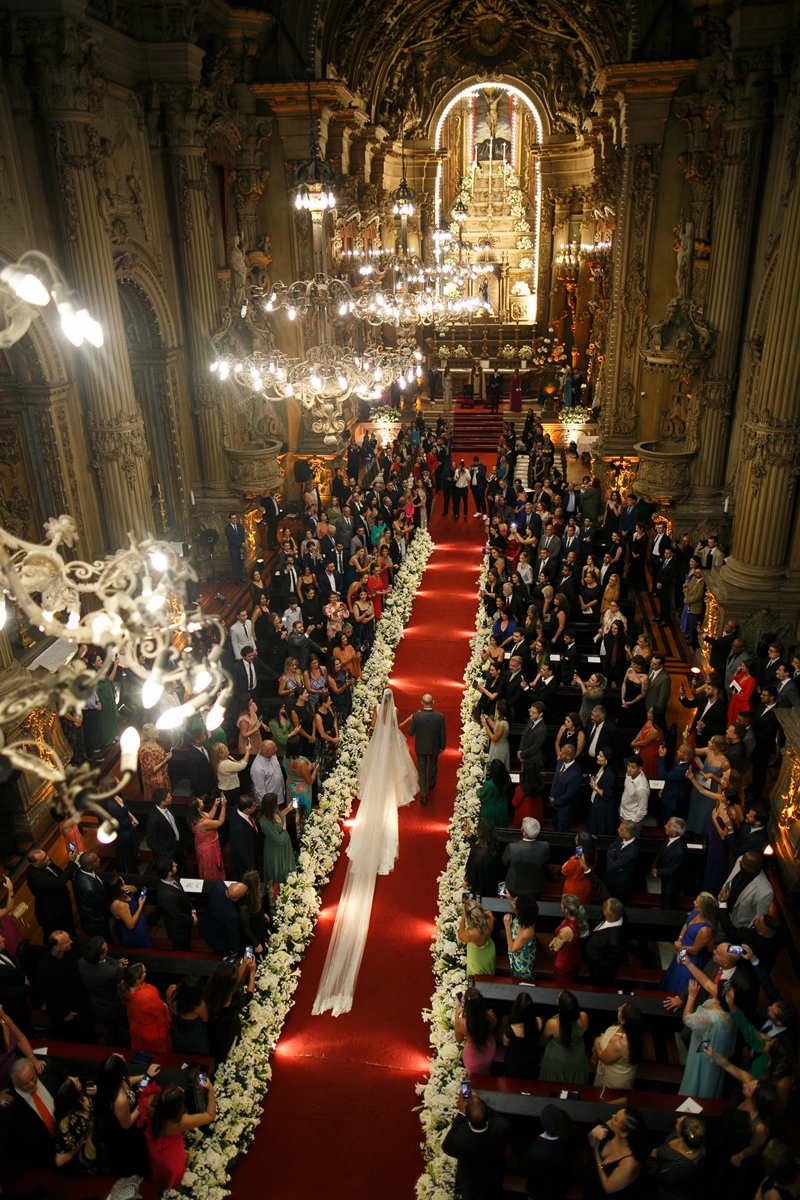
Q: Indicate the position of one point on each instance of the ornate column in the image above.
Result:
(70, 90)
(744, 103)
(199, 294)
(771, 435)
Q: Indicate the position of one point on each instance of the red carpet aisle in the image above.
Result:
(338, 1119)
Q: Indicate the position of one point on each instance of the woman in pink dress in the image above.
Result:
(475, 1026)
(567, 941)
(165, 1122)
(153, 760)
(204, 826)
(515, 403)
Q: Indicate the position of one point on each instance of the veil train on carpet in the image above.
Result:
(387, 781)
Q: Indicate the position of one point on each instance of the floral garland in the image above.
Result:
(242, 1080)
(440, 1094)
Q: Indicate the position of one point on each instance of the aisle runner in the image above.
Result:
(339, 1120)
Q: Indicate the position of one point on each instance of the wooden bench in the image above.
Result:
(170, 962)
(664, 920)
(589, 996)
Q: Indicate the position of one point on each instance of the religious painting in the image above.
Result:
(493, 124)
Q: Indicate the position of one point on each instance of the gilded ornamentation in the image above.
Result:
(769, 447)
(121, 440)
(69, 462)
(634, 304)
(645, 181)
(66, 181)
(625, 411)
(49, 448)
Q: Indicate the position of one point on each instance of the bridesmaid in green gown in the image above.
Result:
(564, 1058)
(475, 930)
(278, 853)
(108, 721)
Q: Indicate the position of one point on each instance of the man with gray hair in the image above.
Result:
(430, 739)
(606, 947)
(670, 862)
(622, 862)
(266, 774)
(599, 736)
(525, 861)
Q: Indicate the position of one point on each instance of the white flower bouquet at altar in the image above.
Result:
(244, 1077)
(440, 1094)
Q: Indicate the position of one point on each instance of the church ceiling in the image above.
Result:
(403, 58)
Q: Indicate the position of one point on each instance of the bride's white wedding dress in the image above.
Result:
(387, 781)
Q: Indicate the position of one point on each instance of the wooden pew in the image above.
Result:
(589, 996)
(660, 919)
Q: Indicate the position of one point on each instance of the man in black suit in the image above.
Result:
(58, 982)
(249, 673)
(753, 834)
(162, 833)
(245, 838)
(517, 689)
(91, 896)
(545, 687)
(765, 727)
(430, 739)
(665, 586)
(198, 766)
(29, 1125)
(477, 1139)
(601, 735)
(711, 713)
(671, 862)
(622, 862)
(525, 861)
(661, 543)
(720, 647)
(14, 989)
(52, 902)
(176, 907)
(786, 688)
(330, 581)
(235, 537)
(606, 947)
(531, 747)
(569, 658)
(272, 511)
(100, 976)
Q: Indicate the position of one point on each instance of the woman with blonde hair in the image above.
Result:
(227, 770)
(153, 761)
(290, 682)
(475, 931)
(611, 591)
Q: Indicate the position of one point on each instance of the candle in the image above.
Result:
(192, 496)
(727, 502)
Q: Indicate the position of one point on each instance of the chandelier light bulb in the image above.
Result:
(174, 717)
(129, 748)
(340, 379)
(71, 326)
(25, 285)
(291, 313)
(215, 716)
(155, 603)
(159, 560)
(107, 832)
(238, 369)
(224, 370)
(152, 692)
(92, 330)
(73, 622)
(213, 366)
(202, 680)
(289, 392)
(3, 612)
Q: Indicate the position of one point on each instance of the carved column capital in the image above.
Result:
(67, 56)
(120, 440)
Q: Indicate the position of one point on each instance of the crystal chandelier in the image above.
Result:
(27, 287)
(133, 602)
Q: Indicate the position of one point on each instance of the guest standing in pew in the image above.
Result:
(187, 1006)
(59, 983)
(635, 793)
(606, 946)
(521, 1039)
(253, 917)
(176, 907)
(565, 789)
(484, 869)
(670, 863)
(475, 931)
(166, 1122)
(495, 795)
(52, 900)
(148, 1015)
(547, 1166)
(528, 804)
(566, 945)
(100, 976)
(220, 923)
(696, 938)
(622, 862)
(711, 1023)
(616, 1054)
(677, 785)
(127, 911)
(602, 819)
(228, 993)
(29, 1122)
(73, 1114)
(162, 833)
(520, 927)
(245, 837)
(525, 861)
(674, 1168)
(205, 826)
(477, 1139)
(564, 1058)
(576, 881)
(619, 1153)
(126, 843)
(475, 1026)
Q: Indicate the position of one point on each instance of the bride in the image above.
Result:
(387, 781)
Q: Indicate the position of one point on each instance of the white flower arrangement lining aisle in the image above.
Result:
(440, 1094)
(242, 1080)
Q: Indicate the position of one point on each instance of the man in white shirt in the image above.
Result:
(635, 794)
(291, 614)
(461, 490)
(241, 633)
(266, 774)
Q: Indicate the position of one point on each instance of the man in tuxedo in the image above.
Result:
(30, 1125)
(272, 511)
(525, 861)
(531, 746)
(341, 558)
(91, 896)
(677, 788)
(711, 713)
(330, 582)
(547, 572)
(671, 862)
(235, 536)
(622, 862)
(198, 766)
(530, 522)
(769, 666)
(477, 485)
(162, 833)
(659, 687)
(245, 837)
(765, 727)
(14, 989)
(720, 647)
(665, 586)
(175, 906)
(284, 580)
(517, 689)
(545, 686)
(599, 736)
(100, 976)
(48, 884)
(250, 671)
(565, 789)
(629, 516)
(398, 548)
(606, 946)
(661, 540)
(430, 739)
(58, 982)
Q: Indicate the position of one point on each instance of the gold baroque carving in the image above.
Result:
(771, 446)
(634, 304)
(121, 440)
(625, 411)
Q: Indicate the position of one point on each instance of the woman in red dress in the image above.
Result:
(148, 1016)
(528, 804)
(567, 941)
(742, 687)
(576, 881)
(647, 742)
(165, 1122)
(205, 826)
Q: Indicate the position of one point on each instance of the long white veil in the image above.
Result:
(387, 781)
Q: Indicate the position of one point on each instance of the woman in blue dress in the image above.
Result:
(719, 837)
(697, 939)
(128, 913)
(712, 1022)
(602, 805)
(707, 782)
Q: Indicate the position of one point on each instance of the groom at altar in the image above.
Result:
(430, 738)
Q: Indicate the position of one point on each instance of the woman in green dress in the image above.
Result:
(564, 1058)
(475, 930)
(281, 727)
(278, 853)
(108, 721)
(494, 794)
(520, 926)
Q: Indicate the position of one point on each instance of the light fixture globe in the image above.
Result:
(404, 200)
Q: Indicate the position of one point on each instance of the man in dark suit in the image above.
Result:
(284, 580)
(14, 989)
(29, 1125)
(477, 1139)
(622, 862)
(659, 685)
(569, 658)
(600, 735)
(517, 689)
(330, 581)
(91, 896)
(198, 766)
(545, 687)
(477, 484)
(52, 902)
(733, 969)
(677, 788)
(665, 586)
(720, 647)
(661, 543)
(565, 789)
(235, 537)
(671, 862)
(162, 833)
(606, 946)
(249, 672)
(430, 739)
(245, 838)
(711, 713)
(272, 511)
(525, 861)
(58, 982)
(100, 976)
(176, 907)
(765, 727)
(531, 746)
(786, 688)
(590, 500)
